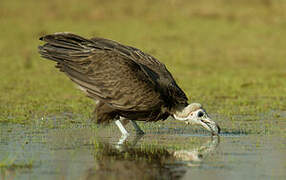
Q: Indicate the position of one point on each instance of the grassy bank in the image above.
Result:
(228, 55)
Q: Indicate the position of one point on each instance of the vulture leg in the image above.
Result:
(137, 128)
(125, 121)
(120, 144)
(136, 139)
(122, 140)
(121, 128)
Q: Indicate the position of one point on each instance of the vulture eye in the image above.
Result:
(200, 114)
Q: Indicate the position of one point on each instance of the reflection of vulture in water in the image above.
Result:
(124, 81)
(145, 161)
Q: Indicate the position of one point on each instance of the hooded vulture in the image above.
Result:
(126, 83)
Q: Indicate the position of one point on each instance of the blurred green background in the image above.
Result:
(228, 55)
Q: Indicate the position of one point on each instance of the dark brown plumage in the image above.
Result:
(123, 80)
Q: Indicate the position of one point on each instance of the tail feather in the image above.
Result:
(68, 40)
(59, 54)
(65, 46)
(67, 50)
(72, 54)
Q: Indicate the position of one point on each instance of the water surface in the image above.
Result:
(169, 150)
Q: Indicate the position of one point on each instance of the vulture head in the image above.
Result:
(195, 114)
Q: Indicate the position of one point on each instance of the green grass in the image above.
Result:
(228, 55)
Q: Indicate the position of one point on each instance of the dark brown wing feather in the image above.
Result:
(156, 71)
(121, 76)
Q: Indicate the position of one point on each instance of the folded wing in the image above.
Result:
(104, 72)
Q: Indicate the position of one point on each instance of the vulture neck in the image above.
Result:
(181, 113)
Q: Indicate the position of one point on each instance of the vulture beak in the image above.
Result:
(210, 125)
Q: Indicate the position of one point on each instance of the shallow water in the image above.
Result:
(80, 150)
